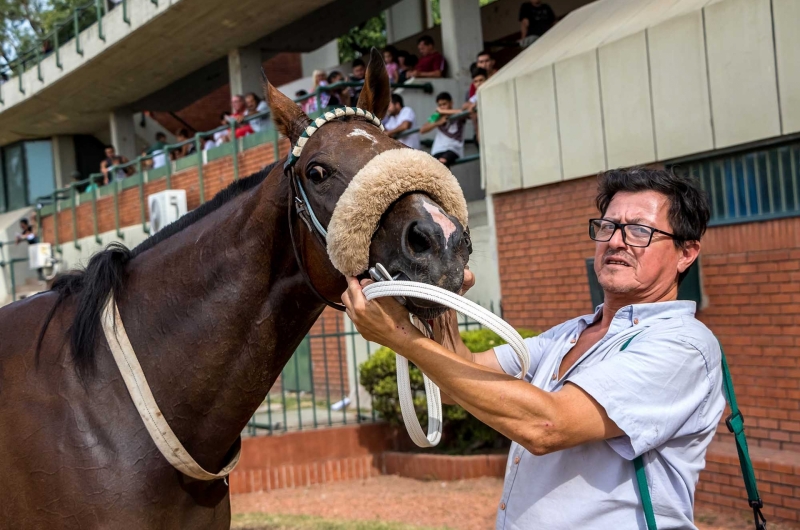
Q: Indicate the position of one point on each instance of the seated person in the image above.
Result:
(340, 96)
(113, 159)
(400, 118)
(157, 150)
(448, 145)
(431, 62)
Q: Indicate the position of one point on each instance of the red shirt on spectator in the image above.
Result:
(432, 62)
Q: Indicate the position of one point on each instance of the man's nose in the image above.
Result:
(617, 239)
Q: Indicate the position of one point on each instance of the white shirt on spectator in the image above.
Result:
(159, 159)
(259, 124)
(406, 114)
(452, 141)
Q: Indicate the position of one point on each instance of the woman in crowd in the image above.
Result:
(256, 105)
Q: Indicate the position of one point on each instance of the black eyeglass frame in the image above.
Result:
(621, 228)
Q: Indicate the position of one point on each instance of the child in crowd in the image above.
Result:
(392, 68)
(448, 144)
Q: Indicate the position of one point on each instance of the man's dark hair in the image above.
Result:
(161, 136)
(484, 52)
(479, 71)
(358, 62)
(426, 39)
(25, 221)
(109, 146)
(397, 99)
(333, 75)
(444, 95)
(689, 209)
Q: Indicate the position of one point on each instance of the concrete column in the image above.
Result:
(462, 37)
(244, 71)
(123, 132)
(320, 59)
(404, 19)
(63, 159)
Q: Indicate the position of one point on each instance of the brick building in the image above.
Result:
(709, 88)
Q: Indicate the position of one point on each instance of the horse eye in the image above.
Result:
(317, 173)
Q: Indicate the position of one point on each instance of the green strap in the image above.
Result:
(735, 423)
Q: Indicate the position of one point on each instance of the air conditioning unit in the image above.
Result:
(166, 207)
(40, 255)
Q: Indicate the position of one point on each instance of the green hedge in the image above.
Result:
(462, 433)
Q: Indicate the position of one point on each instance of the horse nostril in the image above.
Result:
(419, 240)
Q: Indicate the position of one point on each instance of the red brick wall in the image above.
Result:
(751, 276)
(203, 114)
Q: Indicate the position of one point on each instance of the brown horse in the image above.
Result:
(214, 306)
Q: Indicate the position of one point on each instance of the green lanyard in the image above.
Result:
(735, 423)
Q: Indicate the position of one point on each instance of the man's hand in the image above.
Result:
(382, 320)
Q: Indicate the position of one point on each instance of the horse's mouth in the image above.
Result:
(423, 309)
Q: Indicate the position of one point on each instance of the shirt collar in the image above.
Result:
(643, 313)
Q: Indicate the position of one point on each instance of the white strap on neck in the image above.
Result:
(145, 403)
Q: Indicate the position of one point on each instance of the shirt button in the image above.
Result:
(635, 320)
(502, 506)
(555, 376)
(516, 460)
(572, 341)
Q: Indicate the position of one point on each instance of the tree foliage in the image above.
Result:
(361, 38)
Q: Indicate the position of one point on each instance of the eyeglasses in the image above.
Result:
(633, 235)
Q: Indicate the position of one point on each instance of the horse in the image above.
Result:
(214, 306)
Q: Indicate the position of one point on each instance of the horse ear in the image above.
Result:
(288, 117)
(377, 88)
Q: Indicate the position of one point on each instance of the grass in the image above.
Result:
(263, 521)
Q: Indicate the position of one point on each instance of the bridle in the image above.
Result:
(299, 205)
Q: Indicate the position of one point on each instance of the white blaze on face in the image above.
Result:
(440, 219)
(363, 133)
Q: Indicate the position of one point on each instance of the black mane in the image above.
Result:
(106, 273)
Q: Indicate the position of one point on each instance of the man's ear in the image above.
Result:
(288, 117)
(689, 254)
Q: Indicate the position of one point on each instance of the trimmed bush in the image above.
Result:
(462, 433)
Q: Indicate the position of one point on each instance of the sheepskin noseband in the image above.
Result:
(377, 185)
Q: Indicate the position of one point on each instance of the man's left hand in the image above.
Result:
(382, 320)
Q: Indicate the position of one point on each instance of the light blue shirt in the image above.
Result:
(664, 391)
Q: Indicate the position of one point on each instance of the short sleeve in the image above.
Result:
(406, 114)
(654, 390)
(536, 347)
(522, 13)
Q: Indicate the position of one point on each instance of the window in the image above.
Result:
(756, 185)
(26, 173)
(14, 177)
(39, 167)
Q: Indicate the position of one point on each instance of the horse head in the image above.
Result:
(415, 236)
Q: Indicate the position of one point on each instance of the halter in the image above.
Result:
(297, 194)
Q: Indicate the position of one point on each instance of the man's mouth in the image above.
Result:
(617, 262)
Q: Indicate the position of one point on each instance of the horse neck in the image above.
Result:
(214, 314)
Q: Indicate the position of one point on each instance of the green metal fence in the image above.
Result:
(319, 386)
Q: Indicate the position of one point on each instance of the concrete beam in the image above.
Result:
(244, 70)
(63, 159)
(404, 19)
(320, 59)
(123, 132)
(462, 37)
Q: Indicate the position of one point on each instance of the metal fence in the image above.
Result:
(319, 387)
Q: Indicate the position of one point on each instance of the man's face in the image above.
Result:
(109, 152)
(358, 72)
(250, 101)
(394, 108)
(486, 62)
(444, 103)
(642, 272)
(478, 80)
(424, 49)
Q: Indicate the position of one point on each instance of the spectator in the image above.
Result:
(76, 178)
(359, 70)
(340, 96)
(410, 64)
(535, 19)
(320, 79)
(485, 61)
(26, 233)
(238, 111)
(256, 105)
(113, 159)
(221, 136)
(392, 68)
(306, 102)
(157, 150)
(431, 62)
(401, 118)
(479, 77)
(186, 149)
(448, 144)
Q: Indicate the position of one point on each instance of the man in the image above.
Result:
(431, 63)
(357, 73)
(641, 376)
(113, 159)
(157, 150)
(448, 144)
(535, 18)
(484, 61)
(400, 118)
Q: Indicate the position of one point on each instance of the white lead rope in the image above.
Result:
(463, 306)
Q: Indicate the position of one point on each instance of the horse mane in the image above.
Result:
(106, 272)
